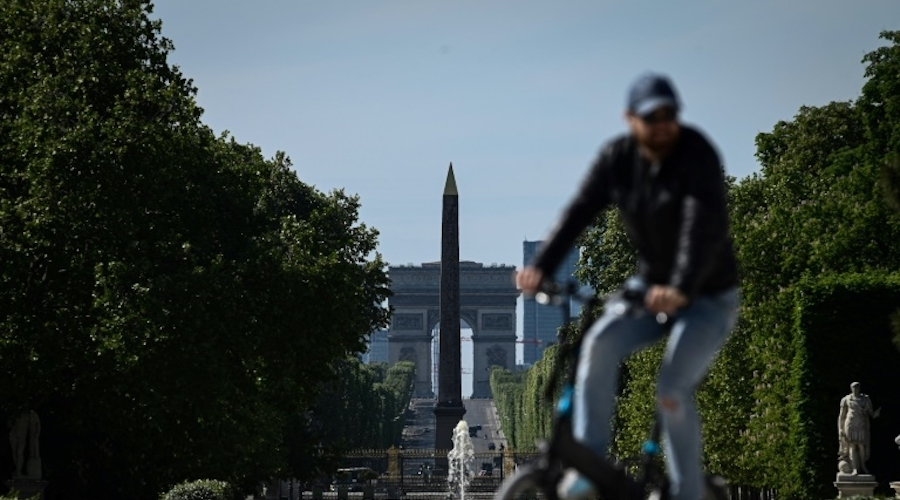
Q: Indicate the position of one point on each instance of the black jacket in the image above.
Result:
(674, 213)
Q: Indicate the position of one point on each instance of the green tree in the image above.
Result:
(823, 204)
(507, 388)
(880, 99)
(171, 299)
(880, 102)
(607, 255)
(364, 406)
(817, 208)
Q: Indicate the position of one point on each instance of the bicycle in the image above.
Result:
(561, 451)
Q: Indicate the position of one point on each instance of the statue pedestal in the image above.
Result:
(850, 485)
(27, 488)
(32, 469)
(896, 486)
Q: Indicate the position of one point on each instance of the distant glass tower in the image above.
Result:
(378, 348)
(541, 322)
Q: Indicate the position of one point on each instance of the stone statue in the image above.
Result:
(854, 431)
(24, 434)
(18, 434)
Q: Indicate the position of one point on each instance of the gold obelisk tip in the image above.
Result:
(450, 186)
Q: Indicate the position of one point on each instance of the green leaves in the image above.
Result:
(363, 407)
(824, 204)
(813, 206)
(171, 299)
(880, 99)
(607, 256)
(819, 207)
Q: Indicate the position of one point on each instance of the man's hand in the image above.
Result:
(529, 280)
(664, 299)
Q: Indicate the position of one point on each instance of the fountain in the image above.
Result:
(461, 461)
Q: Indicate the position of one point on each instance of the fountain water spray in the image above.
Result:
(461, 460)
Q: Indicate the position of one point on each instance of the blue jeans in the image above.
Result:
(698, 332)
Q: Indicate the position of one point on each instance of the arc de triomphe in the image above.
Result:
(487, 305)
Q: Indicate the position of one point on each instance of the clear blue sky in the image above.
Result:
(378, 97)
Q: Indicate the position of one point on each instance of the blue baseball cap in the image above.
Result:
(650, 92)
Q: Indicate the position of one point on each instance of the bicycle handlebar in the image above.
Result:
(553, 293)
(632, 292)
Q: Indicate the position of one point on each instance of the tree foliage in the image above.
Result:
(820, 217)
(170, 297)
(364, 406)
(525, 413)
(607, 256)
(881, 101)
(203, 489)
(816, 207)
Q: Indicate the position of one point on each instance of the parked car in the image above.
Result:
(353, 478)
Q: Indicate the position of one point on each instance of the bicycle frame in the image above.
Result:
(562, 451)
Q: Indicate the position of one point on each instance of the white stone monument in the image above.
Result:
(854, 433)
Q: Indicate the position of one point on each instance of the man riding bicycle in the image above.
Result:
(667, 181)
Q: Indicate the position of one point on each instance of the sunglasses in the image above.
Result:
(663, 115)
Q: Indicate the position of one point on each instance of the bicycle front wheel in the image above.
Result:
(525, 484)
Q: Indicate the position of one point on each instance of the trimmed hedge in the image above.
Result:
(524, 414)
(801, 350)
(507, 388)
(841, 334)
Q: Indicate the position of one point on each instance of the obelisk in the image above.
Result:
(449, 409)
